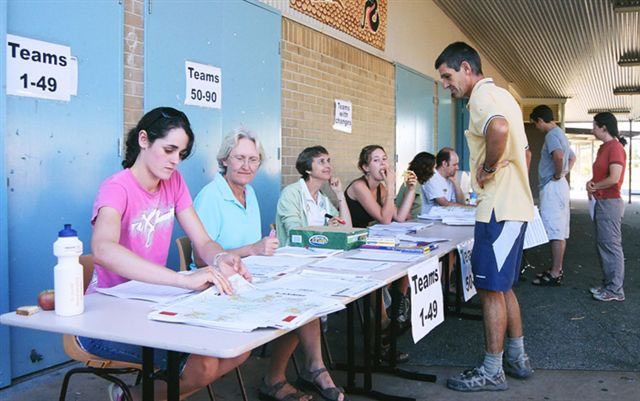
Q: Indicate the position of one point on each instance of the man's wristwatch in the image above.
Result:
(487, 169)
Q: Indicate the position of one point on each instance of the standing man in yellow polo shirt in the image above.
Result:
(499, 153)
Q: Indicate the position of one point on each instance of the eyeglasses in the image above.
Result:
(241, 159)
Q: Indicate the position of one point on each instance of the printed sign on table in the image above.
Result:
(464, 251)
(427, 307)
(203, 85)
(343, 119)
(39, 69)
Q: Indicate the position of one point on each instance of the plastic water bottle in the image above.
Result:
(67, 274)
(473, 198)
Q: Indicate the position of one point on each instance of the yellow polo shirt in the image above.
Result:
(508, 192)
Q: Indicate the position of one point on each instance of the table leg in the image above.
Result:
(173, 376)
(351, 369)
(147, 374)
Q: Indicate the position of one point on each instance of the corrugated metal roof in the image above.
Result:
(557, 49)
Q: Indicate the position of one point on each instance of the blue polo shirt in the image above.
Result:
(224, 218)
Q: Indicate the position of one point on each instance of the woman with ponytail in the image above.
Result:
(132, 220)
(604, 188)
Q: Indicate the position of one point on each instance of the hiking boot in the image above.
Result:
(606, 296)
(520, 368)
(476, 379)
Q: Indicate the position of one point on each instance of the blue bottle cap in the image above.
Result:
(67, 231)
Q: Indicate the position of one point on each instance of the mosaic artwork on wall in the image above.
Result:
(365, 20)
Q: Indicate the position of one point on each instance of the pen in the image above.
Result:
(272, 233)
(328, 216)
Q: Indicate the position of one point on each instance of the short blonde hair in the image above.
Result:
(231, 141)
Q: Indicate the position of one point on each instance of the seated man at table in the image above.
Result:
(229, 210)
(442, 189)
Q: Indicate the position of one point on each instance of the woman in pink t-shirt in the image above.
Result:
(132, 221)
(604, 187)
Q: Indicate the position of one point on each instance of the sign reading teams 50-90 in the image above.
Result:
(38, 69)
(204, 85)
(427, 309)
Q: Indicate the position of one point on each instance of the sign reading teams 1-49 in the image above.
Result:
(204, 85)
(39, 69)
(427, 307)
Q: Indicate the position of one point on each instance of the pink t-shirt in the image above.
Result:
(146, 217)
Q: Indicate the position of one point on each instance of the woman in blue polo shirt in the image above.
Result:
(229, 211)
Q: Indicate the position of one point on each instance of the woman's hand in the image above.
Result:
(410, 179)
(204, 277)
(389, 180)
(336, 185)
(335, 221)
(230, 264)
(591, 187)
(266, 246)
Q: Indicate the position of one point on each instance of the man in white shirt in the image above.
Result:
(442, 189)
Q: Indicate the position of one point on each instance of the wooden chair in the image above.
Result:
(186, 251)
(104, 368)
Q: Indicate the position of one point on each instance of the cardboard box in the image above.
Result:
(338, 237)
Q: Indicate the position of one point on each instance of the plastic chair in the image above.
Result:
(185, 251)
(104, 368)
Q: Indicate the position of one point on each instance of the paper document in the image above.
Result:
(459, 212)
(144, 291)
(352, 264)
(592, 207)
(301, 252)
(387, 256)
(274, 261)
(246, 311)
(309, 282)
(535, 234)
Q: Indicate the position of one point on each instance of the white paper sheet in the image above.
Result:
(535, 234)
(592, 207)
(335, 263)
(300, 252)
(275, 261)
(387, 256)
(309, 282)
(144, 291)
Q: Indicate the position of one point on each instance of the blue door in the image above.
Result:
(5, 363)
(414, 116)
(56, 155)
(241, 38)
(446, 135)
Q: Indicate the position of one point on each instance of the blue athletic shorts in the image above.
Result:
(497, 253)
(128, 353)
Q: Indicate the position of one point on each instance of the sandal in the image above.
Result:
(309, 383)
(385, 355)
(539, 275)
(268, 392)
(547, 280)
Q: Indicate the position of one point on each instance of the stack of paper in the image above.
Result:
(452, 215)
(395, 229)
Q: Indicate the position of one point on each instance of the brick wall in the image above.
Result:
(133, 62)
(316, 70)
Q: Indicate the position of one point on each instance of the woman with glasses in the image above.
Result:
(303, 204)
(604, 188)
(132, 219)
(229, 210)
